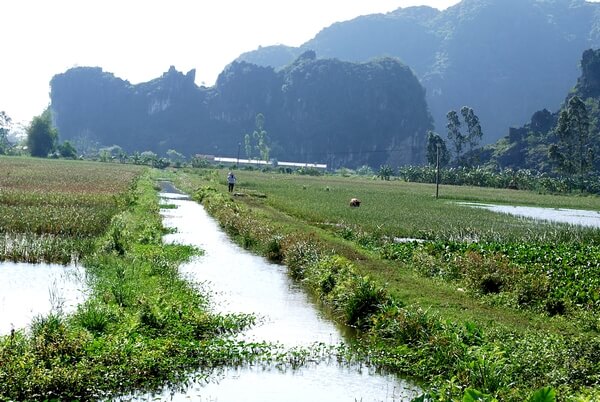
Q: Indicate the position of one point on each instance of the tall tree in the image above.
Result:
(260, 135)
(474, 133)
(455, 135)
(258, 140)
(248, 146)
(434, 140)
(573, 154)
(459, 139)
(5, 124)
(41, 135)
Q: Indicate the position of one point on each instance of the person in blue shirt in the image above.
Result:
(231, 181)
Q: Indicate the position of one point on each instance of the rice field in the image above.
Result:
(410, 210)
(50, 210)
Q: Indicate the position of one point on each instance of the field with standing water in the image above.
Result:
(141, 326)
(463, 298)
(52, 210)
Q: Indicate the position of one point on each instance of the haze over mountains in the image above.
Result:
(504, 58)
(527, 147)
(341, 113)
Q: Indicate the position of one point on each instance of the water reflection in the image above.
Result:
(317, 383)
(27, 290)
(579, 217)
(243, 282)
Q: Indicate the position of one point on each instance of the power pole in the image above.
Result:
(437, 171)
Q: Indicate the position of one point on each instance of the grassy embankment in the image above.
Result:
(492, 302)
(142, 326)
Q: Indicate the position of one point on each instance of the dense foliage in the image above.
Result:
(326, 111)
(5, 123)
(516, 179)
(41, 135)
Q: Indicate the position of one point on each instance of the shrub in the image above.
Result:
(274, 250)
(299, 255)
(365, 301)
(309, 171)
(486, 274)
(94, 317)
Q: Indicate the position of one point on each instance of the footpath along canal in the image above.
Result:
(241, 282)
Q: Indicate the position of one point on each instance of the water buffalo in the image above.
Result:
(355, 202)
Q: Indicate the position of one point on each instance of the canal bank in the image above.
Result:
(241, 282)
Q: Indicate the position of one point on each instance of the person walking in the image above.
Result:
(231, 181)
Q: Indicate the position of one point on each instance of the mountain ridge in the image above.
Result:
(527, 146)
(315, 110)
(505, 59)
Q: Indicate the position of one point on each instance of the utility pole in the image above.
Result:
(237, 164)
(437, 171)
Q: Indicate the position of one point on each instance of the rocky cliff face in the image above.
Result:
(527, 146)
(504, 58)
(340, 113)
(588, 85)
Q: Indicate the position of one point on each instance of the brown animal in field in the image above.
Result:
(355, 202)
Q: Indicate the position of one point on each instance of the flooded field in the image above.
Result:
(242, 282)
(27, 290)
(560, 215)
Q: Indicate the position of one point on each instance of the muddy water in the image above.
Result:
(560, 215)
(28, 290)
(242, 282)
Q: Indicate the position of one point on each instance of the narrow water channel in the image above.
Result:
(242, 282)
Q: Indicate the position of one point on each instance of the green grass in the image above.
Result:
(424, 310)
(400, 209)
(52, 210)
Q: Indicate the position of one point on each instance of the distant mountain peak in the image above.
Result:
(504, 58)
(316, 110)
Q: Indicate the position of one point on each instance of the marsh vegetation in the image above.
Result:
(142, 326)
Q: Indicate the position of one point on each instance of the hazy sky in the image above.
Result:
(138, 40)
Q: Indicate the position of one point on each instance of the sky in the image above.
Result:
(138, 40)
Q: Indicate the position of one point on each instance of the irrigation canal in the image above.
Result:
(245, 283)
(238, 282)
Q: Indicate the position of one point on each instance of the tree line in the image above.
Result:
(570, 149)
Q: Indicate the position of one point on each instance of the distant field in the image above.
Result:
(50, 208)
(401, 209)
